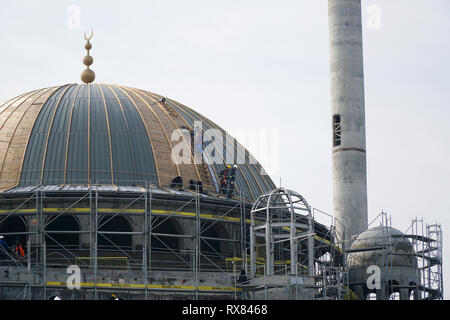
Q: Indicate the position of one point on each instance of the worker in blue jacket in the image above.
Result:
(4, 249)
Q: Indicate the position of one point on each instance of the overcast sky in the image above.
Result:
(265, 65)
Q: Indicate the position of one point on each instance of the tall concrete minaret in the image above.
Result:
(348, 119)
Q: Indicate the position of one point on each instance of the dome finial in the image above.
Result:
(88, 76)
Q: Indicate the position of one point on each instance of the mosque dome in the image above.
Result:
(391, 251)
(367, 249)
(79, 134)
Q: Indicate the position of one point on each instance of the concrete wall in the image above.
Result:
(405, 277)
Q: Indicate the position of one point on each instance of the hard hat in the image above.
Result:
(229, 166)
(235, 166)
(2, 237)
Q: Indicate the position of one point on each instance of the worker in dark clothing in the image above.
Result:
(242, 277)
(230, 181)
(192, 184)
(200, 187)
(177, 182)
(223, 177)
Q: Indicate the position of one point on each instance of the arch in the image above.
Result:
(371, 296)
(413, 293)
(393, 291)
(14, 224)
(165, 226)
(62, 223)
(117, 224)
(216, 231)
(394, 295)
(59, 256)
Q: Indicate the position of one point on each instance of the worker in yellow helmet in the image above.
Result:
(113, 297)
(223, 178)
(230, 180)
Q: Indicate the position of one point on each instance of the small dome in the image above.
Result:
(400, 252)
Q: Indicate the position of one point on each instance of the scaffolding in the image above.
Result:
(275, 219)
(216, 241)
(287, 240)
(425, 251)
(427, 241)
(331, 272)
(196, 268)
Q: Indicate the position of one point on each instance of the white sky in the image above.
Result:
(265, 65)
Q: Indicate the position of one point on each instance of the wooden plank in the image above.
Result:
(202, 169)
(187, 171)
(10, 118)
(160, 140)
(156, 138)
(240, 148)
(8, 108)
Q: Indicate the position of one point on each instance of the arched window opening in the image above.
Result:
(61, 235)
(393, 290)
(115, 233)
(14, 230)
(164, 226)
(213, 236)
(371, 296)
(413, 293)
(394, 296)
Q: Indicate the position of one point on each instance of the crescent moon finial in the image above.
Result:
(88, 76)
(88, 38)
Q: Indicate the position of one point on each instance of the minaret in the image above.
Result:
(348, 116)
(88, 76)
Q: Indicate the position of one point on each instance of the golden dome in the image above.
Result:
(77, 134)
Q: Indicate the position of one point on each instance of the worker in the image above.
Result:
(18, 250)
(162, 100)
(177, 182)
(4, 249)
(200, 187)
(223, 178)
(230, 181)
(242, 277)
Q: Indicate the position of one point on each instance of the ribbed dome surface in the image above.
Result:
(107, 134)
(400, 250)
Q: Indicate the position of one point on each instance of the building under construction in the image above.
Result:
(92, 191)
